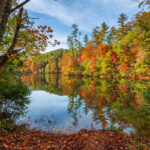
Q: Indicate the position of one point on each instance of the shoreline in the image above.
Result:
(146, 78)
(83, 139)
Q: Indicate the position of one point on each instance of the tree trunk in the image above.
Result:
(5, 7)
(3, 60)
(5, 57)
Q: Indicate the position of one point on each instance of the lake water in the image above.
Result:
(67, 104)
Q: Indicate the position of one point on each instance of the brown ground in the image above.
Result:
(82, 140)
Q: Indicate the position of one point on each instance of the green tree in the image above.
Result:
(99, 34)
(122, 27)
(111, 36)
(85, 39)
(74, 42)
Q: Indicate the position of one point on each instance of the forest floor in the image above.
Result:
(81, 140)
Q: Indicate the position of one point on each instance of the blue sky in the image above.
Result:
(61, 14)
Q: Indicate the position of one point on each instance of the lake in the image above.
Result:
(66, 104)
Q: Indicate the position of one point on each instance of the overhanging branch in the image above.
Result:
(20, 5)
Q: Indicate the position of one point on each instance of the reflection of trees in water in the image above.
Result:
(75, 104)
(13, 98)
(123, 102)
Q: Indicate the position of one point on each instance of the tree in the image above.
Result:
(5, 11)
(122, 28)
(99, 34)
(145, 3)
(103, 32)
(4, 58)
(95, 36)
(86, 39)
(122, 19)
(111, 36)
(26, 39)
(74, 42)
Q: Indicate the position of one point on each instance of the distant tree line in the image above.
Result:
(109, 52)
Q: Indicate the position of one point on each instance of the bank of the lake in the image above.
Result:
(81, 140)
(130, 77)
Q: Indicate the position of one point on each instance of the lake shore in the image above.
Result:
(128, 77)
(83, 140)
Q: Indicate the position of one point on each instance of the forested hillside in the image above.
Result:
(45, 63)
(121, 52)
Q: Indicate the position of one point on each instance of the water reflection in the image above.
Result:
(75, 103)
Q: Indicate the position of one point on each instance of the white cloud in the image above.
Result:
(51, 8)
(86, 13)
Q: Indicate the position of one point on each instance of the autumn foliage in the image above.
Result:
(110, 53)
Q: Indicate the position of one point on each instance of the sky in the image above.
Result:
(61, 14)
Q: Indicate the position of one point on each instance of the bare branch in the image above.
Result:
(20, 5)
